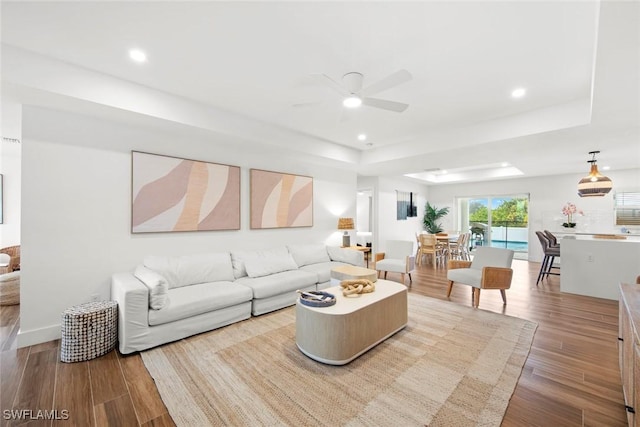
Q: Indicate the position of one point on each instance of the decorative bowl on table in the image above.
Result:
(317, 299)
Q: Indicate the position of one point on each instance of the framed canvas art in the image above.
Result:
(1, 199)
(174, 194)
(280, 200)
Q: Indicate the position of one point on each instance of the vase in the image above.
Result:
(569, 225)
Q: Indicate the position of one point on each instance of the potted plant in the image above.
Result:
(569, 210)
(431, 216)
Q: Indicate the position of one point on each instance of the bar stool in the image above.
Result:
(553, 241)
(550, 254)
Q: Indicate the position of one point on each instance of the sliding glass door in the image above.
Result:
(498, 221)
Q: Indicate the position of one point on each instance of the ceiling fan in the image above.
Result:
(355, 95)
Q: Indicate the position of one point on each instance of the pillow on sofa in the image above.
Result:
(158, 288)
(350, 256)
(204, 268)
(191, 269)
(264, 263)
(165, 266)
(237, 261)
(309, 254)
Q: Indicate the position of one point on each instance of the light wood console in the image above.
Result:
(629, 350)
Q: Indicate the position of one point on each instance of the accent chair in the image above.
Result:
(398, 257)
(489, 269)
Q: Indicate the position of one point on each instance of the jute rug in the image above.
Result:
(451, 366)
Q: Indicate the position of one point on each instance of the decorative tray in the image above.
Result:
(317, 298)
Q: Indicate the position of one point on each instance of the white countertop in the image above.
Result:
(590, 237)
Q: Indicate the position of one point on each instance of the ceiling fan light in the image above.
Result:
(352, 101)
(137, 55)
(595, 184)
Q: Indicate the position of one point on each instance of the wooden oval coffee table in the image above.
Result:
(347, 272)
(338, 334)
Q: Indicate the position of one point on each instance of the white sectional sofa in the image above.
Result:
(170, 298)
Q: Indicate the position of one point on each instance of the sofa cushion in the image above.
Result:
(205, 268)
(486, 256)
(189, 301)
(349, 256)
(467, 276)
(393, 265)
(261, 263)
(309, 254)
(157, 284)
(278, 283)
(323, 269)
(192, 269)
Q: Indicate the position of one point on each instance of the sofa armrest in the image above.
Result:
(410, 263)
(452, 264)
(496, 278)
(132, 297)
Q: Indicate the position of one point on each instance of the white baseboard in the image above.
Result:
(37, 336)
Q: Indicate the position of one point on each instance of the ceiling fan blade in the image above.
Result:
(398, 107)
(328, 81)
(388, 82)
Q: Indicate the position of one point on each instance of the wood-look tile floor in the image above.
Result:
(571, 377)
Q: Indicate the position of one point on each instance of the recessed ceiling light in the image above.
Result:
(504, 164)
(606, 168)
(352, 102)
(443, 171)
(519, 92)
(362, 137)
(137, 55)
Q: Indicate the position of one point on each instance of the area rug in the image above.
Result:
(450, 366)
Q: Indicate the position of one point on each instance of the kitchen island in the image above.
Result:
(595, 266)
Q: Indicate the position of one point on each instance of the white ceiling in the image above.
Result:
(257, 60)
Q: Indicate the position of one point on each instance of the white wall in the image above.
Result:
(10, 168)
(547, 197)
(389, 227)
(76, 197)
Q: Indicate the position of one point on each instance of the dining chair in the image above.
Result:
(418, 242)
(443, 241)
(457, 249)
(429, 247)
(464, 249)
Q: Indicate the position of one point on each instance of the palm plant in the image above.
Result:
(431, 217)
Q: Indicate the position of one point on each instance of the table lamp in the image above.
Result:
(346, 224)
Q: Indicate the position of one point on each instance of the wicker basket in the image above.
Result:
(14, 259)
(10, 288)
(89, 331)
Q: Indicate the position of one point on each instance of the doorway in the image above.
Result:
(364, 217)
(496, 221)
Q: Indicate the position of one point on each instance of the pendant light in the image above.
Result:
(594, 184)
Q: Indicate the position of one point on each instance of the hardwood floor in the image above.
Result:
(571, 377)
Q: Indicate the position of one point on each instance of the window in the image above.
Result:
(627, 208)
(498, 221)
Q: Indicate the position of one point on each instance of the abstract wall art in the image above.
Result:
(174, 194)
(1, 196)
(280, 200)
